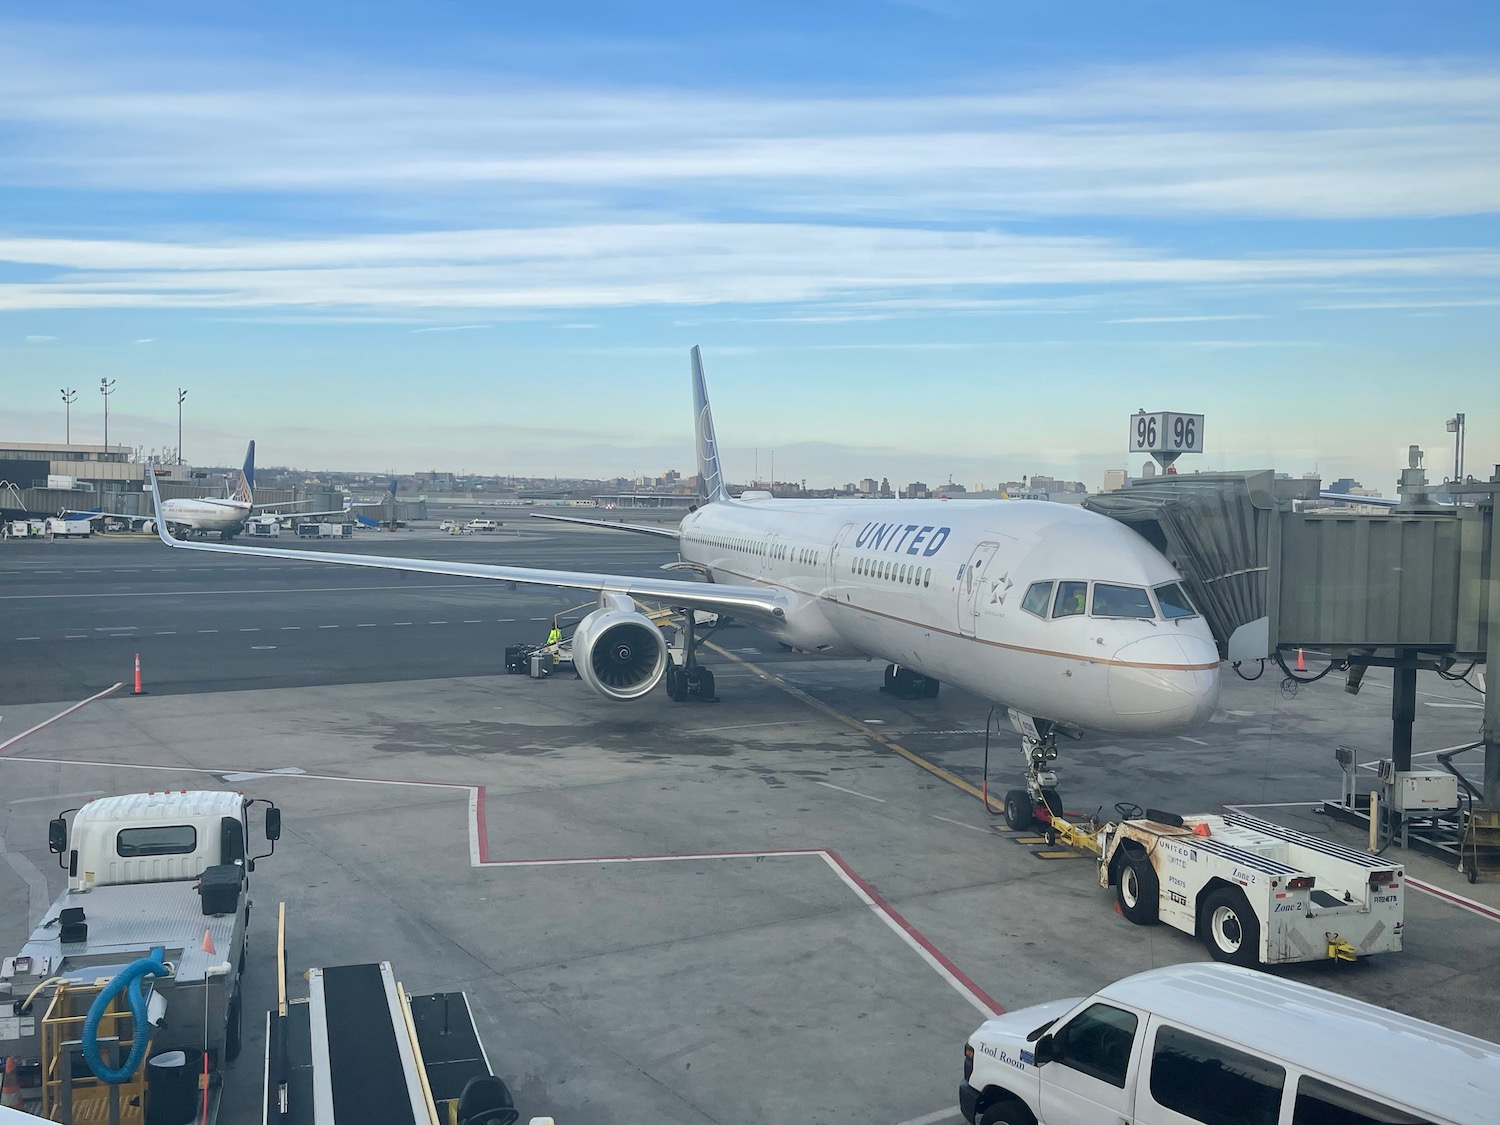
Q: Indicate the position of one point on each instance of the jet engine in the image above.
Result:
(618, 651)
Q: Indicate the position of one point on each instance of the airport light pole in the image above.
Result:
(1456, 427)
(106, 388)
(181, 394)
(69, 397)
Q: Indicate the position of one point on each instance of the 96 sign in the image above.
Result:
(1166, 432)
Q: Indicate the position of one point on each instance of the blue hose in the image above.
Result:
(128, 977)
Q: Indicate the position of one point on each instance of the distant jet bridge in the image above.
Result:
(1414, 587)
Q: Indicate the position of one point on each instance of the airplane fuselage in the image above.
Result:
(206, 515)
(939, 586)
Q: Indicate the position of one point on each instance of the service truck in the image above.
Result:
(1255, 892)
(158, 894)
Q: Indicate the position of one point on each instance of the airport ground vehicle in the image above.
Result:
(158, 893)
(1254, 891)
(1179, 1044)
(483, 525)
(317, 531)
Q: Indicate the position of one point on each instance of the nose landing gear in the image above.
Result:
(1038, 803)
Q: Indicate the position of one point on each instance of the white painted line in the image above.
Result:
(743, 726)
(261, 648)
(167, 633)
(55, 797)
(874, 722)
(63, 714)
(220, 593)
(1458, 706)
(851, 792)
(76, 637)
(1194, 741)
(539, 619)
(281, 771)
(28, 638)
(401, 623)
(36, 882)
(251, 629)
(437, 623)
(961, 824)
(293, 628)
(473, 621)
(208, 630)
(366, 625)
(327, 626)
(115, 628)
(937, 1116)
(504, 620)
(916, 946)
(1277, 805)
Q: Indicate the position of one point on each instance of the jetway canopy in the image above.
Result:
(1268, 576)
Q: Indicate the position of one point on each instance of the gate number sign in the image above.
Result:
(1165, 432)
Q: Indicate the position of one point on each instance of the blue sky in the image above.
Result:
(914, 239)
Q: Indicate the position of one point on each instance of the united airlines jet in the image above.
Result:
(1067, 617)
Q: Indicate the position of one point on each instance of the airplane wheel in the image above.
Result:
(930, 688)
(1019, 813)
(676, 684)
(1053, 802)
(890, 677)
(705, 685)
(1137, 891)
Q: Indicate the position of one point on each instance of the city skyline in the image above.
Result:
(914, 239)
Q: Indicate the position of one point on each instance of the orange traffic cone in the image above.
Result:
(1301, 664)
(208, 944)
(10, 1090)
(138, 689)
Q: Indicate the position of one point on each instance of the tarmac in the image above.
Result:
(785, 906)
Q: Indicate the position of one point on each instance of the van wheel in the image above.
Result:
(1007, 1111)
(1019, 813)
(1138, 892)
(1229, 928)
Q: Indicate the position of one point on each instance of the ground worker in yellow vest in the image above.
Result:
(554, 642)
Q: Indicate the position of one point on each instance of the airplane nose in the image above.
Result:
(1169, 679)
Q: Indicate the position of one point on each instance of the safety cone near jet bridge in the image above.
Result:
(10, 1089)
(1301, 667)
(138, 689)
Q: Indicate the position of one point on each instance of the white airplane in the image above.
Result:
(1069, 618)
(227, 515)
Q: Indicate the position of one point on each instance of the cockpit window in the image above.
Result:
(1037, 597)
(1174, 601)
(1121, 601)
(1070, 599)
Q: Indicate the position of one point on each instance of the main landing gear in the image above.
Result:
(908, 683)
(690, 680)
(1038, 803)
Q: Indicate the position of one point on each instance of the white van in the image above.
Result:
(1212, 1044)
(483, 525)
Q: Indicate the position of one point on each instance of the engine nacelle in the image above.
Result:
(619, 652)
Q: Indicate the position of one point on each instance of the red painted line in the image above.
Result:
(480, 828)
(916, 934)
(1455, 899)
(63, 714)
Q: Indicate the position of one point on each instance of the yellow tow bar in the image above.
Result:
(1079, 836)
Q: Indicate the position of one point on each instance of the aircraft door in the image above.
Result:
(970, 584)
(837, 552)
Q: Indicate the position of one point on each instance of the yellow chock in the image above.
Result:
(1341, 950)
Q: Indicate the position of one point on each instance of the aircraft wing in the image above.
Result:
(746, 602)
(610, 525)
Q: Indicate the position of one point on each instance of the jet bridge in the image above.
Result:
(1413, 587)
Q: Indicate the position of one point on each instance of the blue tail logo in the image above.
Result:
(710, 474)
(245, 491)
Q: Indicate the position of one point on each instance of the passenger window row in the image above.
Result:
(776, 551)
(1109, 600)
(888, 570)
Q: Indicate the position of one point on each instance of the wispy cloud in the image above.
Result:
(450, 328)
(1182, 319)
(633, 265)
(40, 339)
(145, 340)
(1285, 136)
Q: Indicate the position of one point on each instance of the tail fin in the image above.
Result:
(710, 474)
(390, 492)
(245, 492)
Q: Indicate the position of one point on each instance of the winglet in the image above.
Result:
(161, 523)
(710, 474)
